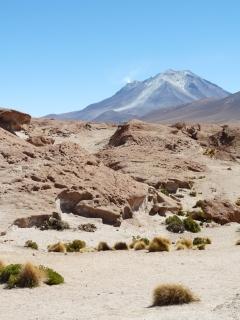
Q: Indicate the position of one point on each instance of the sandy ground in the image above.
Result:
(118, 285)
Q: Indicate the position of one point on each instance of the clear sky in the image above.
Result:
(61, 55)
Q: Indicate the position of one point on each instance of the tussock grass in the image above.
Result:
(171, 294)
(30, 276)
(103, 246)
(159, 244)
(238, 243)
(186, 243)
(140, 245)
(136, 239)
(120, 246)
(57, 247)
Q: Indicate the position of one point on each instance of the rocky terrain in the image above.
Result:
(125, 180)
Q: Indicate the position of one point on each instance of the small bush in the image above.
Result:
(159, 244)
(181, 213)
(57, 247)
(31, 244)
(12, 270)
(171, 294)
(201, 246)
(29, 277)
(174, 224)
(120, 246)
(52, 277)
(75, 245)
(88, 227)
(186, 243)
(198, 215)
(140, 245)
(191, 225)
(103, 246)
(55, 224)
(138, 238)
(198, 241)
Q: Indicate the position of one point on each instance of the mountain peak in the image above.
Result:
(167, 89)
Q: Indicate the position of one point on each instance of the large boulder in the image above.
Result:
(220, 211)
(13, 120)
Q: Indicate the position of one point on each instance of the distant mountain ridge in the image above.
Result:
(207, 110)
(138, 98)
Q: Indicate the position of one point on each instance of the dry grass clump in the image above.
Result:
(201, 246)
(31, 244)
(103, 246)
(57, 247)
(184, 244)
(29, 277)
(2, 265)
(136, 239)
(159, 244)
(140, 245)
(238, 243)
(171, 294)
(120, 246)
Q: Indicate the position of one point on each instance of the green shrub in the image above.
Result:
(12, 270)
(191, 225)
(75, 245)
(31, 244)
(174, 224)
(198, 241)
(52, 277)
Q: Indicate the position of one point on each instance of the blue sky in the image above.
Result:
(61, 55)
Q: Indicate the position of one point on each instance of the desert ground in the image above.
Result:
(113, 177)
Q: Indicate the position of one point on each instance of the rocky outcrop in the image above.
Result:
(220, 211)
(112, 199)
(153, 154)
(40, 141)
(13, 120)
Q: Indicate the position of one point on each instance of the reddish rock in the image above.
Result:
(220, 211)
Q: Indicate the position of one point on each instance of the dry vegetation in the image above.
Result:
(170, 294)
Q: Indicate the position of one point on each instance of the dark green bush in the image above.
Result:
(198, 241)
(12, 270)
(174, 224)
(52, 277)
(75, 245)
(120, 246)
(31, 244)
(191, 225)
